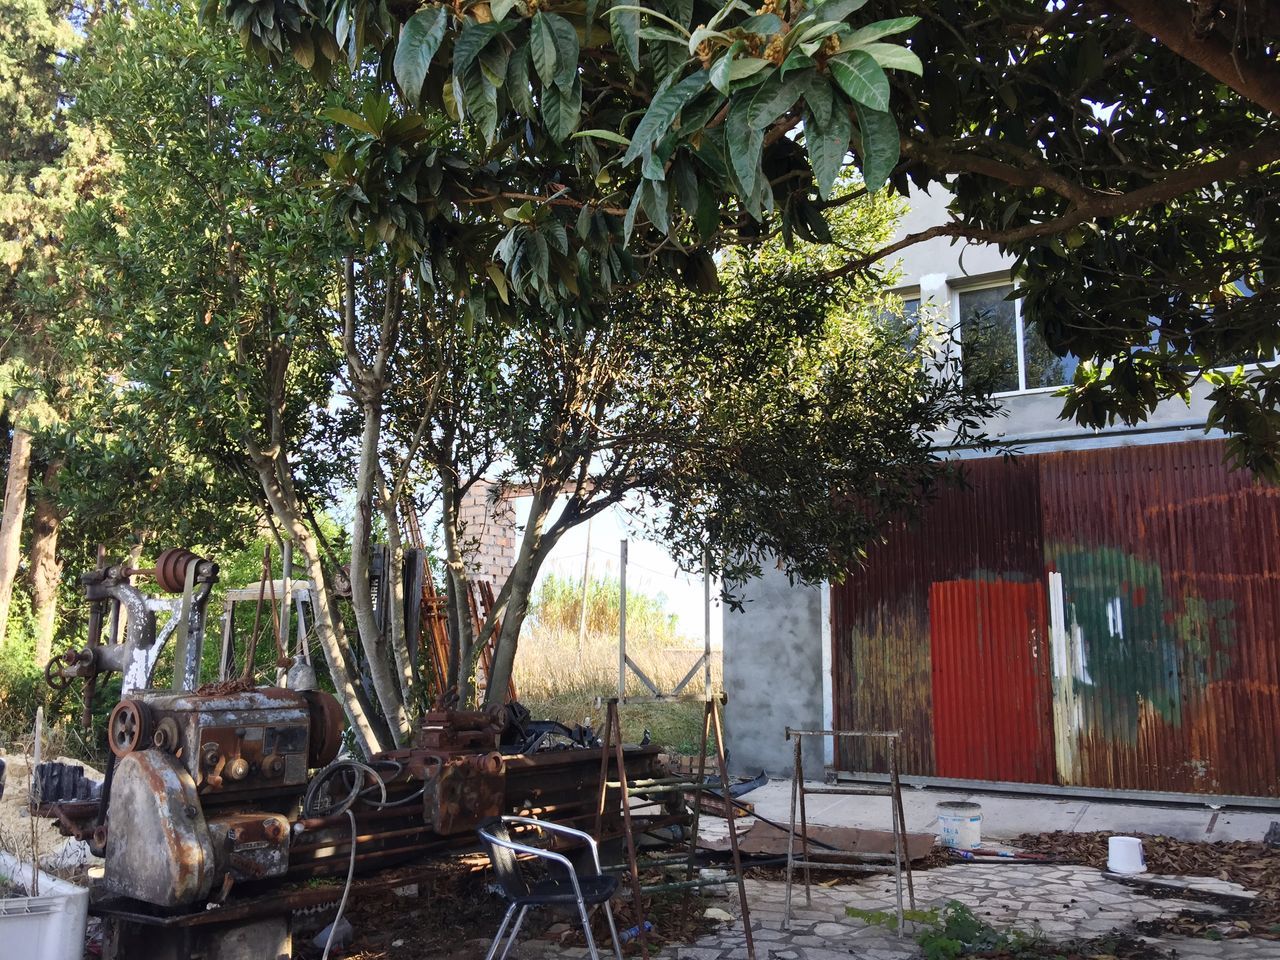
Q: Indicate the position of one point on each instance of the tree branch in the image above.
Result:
(1265, 151)
(1171, 23)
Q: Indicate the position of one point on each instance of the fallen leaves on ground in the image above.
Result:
(1251, 864)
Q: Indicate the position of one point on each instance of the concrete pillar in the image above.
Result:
(773, 665)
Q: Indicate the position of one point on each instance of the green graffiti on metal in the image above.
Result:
(1143, 643)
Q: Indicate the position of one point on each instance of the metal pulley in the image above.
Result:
(172, 567)
(128, 727)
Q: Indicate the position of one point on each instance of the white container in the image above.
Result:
(1124, 855)
(48, 927)
(960, 824)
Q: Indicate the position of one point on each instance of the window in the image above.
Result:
(1000, 352)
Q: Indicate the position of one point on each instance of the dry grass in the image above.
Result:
(555, 679)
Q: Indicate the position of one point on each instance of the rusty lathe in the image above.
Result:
(222, 793)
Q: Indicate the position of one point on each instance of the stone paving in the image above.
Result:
(1063, 902)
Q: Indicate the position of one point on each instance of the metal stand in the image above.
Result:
(855, 862)
(697, 786)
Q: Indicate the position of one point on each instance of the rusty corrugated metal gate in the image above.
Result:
(1099, 618)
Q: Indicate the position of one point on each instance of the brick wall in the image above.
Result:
(488, 533)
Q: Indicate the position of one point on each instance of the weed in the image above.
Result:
(954, 931)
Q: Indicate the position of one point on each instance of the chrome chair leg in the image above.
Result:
(515, 931)
(506, 919)
(586, 929)
(613, 931)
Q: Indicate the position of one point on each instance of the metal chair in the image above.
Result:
(594, 889)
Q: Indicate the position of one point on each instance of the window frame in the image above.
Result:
(1019, 325)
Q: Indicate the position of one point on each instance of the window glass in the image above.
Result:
(1044, 367)
(989, 339)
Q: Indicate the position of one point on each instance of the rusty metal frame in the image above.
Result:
(853, 862)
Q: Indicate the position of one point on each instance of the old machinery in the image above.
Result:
(207, 786)
(227, 794)
(113, 597)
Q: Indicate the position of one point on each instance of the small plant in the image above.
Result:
(952, 932)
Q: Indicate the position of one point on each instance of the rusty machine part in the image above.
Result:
(172, 567)
(110, 592)
(128, 727)
(209, 797)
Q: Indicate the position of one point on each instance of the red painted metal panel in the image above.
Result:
(991, 689)
(987, 528)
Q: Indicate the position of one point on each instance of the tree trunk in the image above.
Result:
(534, 548)
(15, 505)
(385, 684)
(398, 639)
(1254, 78)
(462, 643)
(371, 735)
(46, 571)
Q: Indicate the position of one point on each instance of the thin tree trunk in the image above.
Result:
(533, 551)
(398, 640)
(385, 684)
(15, 505)
(46, 571)
(461, 674)
(371, 735)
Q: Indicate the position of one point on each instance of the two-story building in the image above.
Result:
(1096, 612)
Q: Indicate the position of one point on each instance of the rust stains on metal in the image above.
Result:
(1116, 625)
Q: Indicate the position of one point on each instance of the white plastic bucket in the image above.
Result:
(960, 824)
(50, 926)
(1124, 855)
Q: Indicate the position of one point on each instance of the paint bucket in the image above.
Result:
(1124, 855)
(960, 824)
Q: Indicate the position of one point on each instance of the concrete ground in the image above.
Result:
(1004, 816)
(1057, 901)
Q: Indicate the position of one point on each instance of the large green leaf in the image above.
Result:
(764, 24)
(480, 101)
(565, 39)
(419, 41)
(731, 67)
(828, 145)
(773, 98)
(743, 143)
(474, 38)
(517, 85)
(624, 28)
(662, 111)
(837, 9)
(609, 135)
(654, 197)
(542, 47)
(861, 78)
(818, 95)
(891, 56)
(347, 118)
(880, 145)
(881, 28)
(562, 110)
(719, 74)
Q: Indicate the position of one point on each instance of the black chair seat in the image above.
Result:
(547, 892)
